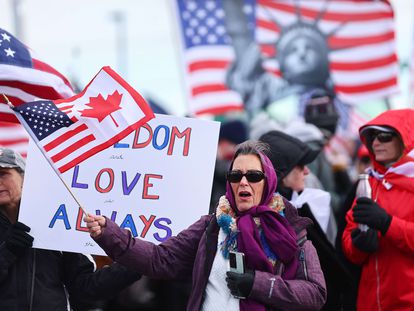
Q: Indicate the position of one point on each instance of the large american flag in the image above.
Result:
(207, 54)
(71, 130)
(359, 34)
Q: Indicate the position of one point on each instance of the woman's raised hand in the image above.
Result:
(95, 224)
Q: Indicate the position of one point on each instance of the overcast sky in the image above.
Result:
(78, 37)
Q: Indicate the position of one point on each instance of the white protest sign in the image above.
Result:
(156, 182)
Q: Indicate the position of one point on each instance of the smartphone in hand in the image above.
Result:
(237, 262)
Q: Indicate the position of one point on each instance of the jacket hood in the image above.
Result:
(400, 120)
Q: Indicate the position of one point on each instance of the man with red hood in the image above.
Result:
(386, 250)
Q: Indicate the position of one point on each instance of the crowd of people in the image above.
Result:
(302, 249)
(283, 201)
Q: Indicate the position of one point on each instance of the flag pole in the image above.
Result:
(8, 102)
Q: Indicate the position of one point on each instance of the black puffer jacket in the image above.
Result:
(39, 279)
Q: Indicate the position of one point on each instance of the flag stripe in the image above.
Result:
(367, 87)
(14, 141)
(370, 64)
(365, 76)
(207, 88)
(367, 96)
(362, 53)
(16, 96)
(222, 109)
(221, 99)
(34, 78)
(205, 77)
(210, 64)
(64, 137)
(267, 25)
(39, 65)
(40, 91)
(330, 15)
(343, 42)
(269, 50)
(6, 117)
(59, 156)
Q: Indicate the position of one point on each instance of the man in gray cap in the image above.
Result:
(11, 182)
(37, 279)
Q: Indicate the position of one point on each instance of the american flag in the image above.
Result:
(24, 77)
(360, 37)
(207, 55)
(71, 130)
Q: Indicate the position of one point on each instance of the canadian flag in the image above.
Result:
(68, 131)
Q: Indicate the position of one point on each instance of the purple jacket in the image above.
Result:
(191, 254)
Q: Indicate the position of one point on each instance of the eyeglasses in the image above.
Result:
(251, 176)
(383, 137)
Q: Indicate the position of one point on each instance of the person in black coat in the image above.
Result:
(290, 157)
(38, 279)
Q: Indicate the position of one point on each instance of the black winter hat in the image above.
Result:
(234, 131)
(286, 152)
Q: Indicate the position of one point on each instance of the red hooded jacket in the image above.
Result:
(387, 280)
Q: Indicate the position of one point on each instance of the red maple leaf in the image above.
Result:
(101, 108)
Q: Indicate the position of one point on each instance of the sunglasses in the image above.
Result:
(383, 137)
(235, 176)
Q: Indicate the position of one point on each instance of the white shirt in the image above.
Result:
(217, 295)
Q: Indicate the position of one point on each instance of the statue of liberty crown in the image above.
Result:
(301, 29)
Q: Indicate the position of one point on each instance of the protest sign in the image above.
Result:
(155, 182)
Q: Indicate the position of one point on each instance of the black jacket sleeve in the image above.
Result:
(7, 259)
(83, 283)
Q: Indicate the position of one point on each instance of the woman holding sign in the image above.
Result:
(273, 265)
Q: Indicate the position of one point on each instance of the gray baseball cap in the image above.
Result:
(11, 159)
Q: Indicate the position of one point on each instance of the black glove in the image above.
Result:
(366, 241)
(239, 284)
(370, 213)
(17, 239)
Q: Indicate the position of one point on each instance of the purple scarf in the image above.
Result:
(278, 232)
